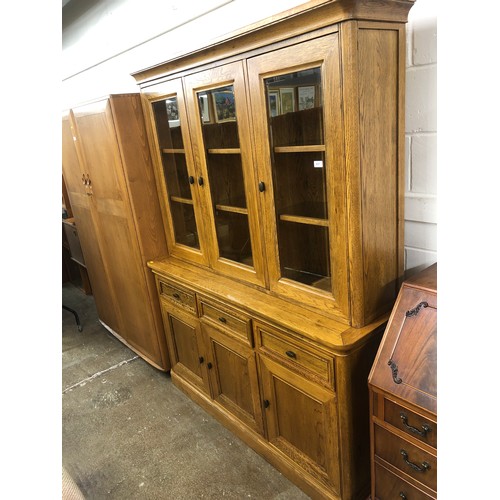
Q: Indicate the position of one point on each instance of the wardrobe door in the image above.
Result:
(296, 108)
(218, 115)
(79, 190)
(177, 178)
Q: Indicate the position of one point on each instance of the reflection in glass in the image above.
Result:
(175, 171)
(295, 117)
(217, 110)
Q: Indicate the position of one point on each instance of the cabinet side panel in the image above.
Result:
(380, 162)
(141, 186)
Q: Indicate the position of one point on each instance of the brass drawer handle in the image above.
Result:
(402, 495)
(222, 319)
(176, 296)
(424, 467)
(423, 432)
(291, 354)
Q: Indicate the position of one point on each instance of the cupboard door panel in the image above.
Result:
(301, 421)
(186, 348)
(234, 377)
(73, 169)
(298, 126)
(219, 119)
(101, 288)
(176, 174)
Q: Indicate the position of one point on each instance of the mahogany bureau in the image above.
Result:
(403, 396)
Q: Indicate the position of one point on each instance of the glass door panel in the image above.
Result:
(175, 171)
(295, 119)
(217, 111)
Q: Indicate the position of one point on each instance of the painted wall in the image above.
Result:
(105, 41)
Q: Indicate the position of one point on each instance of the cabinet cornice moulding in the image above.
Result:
(313, 15)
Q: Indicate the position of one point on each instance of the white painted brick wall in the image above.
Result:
(421, 137)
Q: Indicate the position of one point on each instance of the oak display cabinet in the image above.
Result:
(279, 163)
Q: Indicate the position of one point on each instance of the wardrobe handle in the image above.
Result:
(266, 403)
(402, 495)
(209, 365)
(423, 432)
(200, 180)
(223, 320)
(176, 296)
(262, 187)
(425, 466)
(291, 354)
(201, 359)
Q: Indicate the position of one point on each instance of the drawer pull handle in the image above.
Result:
(425, 466)
(423, 432)
(416, 309)
(266, 403)
(291, 354)
(402, 495)
(222, 319)
(201, 359)
(176, 296)
(209, 365)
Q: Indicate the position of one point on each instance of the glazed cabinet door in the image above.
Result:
(296, 108)
(220, 127)
(80, 195)
(233, 376)
(301, 419)
(186, 347)
(177, 179)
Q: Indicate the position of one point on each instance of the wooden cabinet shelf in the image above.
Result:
(173, 151)
(178, 199)
(304, 220)
(224, 151)
(228, 208)
(299, 149)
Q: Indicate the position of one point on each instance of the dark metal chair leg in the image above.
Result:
(77, 319)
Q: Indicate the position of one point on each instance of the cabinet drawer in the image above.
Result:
(412, 423)
(177, 295)
(275, 342)
(410, 459)
(388, 486)
(225, 317)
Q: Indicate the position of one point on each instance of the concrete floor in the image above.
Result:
(128, 433)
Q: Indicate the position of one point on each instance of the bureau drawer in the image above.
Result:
(388, 486)
(410, 459)
(275, 342)
(179, 296)
(225, 317)
(411, 423)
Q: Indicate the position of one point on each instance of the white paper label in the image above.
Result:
(318, 164)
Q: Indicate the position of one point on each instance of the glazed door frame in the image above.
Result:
(231, 74)
(323, 53)
(151, 95)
